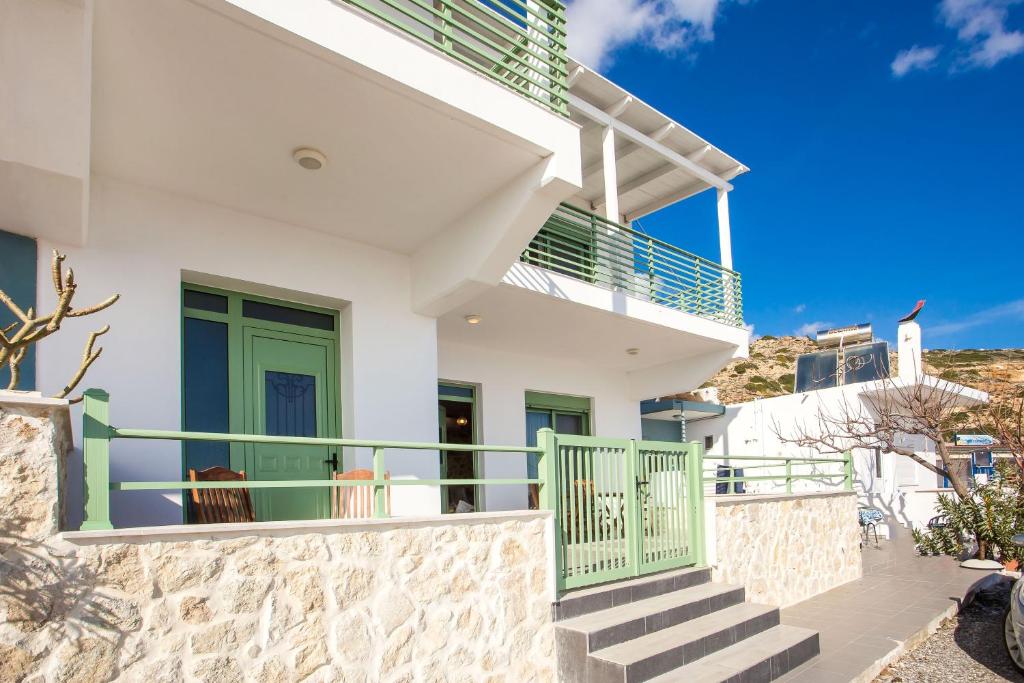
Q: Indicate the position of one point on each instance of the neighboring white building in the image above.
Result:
(459, 264)
(905, 490)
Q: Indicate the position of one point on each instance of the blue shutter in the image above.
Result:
(18, 280)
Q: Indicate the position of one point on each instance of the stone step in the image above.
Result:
(760, 658)
(595, 598)
(590, 632)
(670, 648)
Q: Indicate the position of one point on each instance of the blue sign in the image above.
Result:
(973, 440)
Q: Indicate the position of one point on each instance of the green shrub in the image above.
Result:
(991, 517)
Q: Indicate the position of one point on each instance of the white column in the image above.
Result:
(611, 180)
(724, 235)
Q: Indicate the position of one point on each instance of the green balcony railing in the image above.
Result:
(588, 247)
(768, 473)
(519, 43)
(97, 434)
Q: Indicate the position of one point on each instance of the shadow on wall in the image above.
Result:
(894, 514)
(39, 589)
(534, 279)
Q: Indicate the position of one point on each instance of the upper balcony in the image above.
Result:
(637, 161)
(519, 44)
(450, 113)
(593, 249)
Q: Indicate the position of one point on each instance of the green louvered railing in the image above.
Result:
(769, 473)
(586, 246)
(519, 43)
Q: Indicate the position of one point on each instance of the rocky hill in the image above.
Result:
(770, 370)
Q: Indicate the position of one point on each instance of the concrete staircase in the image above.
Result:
(674, 626)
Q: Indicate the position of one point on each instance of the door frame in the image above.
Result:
(236, 323)
(477, 431)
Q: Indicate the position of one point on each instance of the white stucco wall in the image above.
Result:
(504, 379)
(749, 429)
(143, 243)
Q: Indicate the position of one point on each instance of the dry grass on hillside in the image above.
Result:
(770, 372)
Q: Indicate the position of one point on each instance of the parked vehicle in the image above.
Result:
(1013, 621)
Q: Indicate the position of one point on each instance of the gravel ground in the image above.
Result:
(968, 648)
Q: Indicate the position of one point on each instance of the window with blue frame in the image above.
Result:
(18, 256)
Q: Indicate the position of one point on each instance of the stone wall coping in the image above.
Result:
(740, 498)
(58, 408)
(30, 398)
(194, 532)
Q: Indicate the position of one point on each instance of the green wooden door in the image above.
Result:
(289, 392)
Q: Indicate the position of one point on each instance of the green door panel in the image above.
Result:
(288, 380)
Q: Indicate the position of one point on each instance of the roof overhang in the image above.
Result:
(965, 396)
(674, 409)
(659, 161)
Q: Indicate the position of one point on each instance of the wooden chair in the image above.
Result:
(215, 506)
(356, 502)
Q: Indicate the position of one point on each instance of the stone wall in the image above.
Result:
(785, 548)
(464, 598)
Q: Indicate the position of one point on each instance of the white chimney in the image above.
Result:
(909, 348)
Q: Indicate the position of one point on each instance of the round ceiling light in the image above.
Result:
(473, 319)
(309, 159)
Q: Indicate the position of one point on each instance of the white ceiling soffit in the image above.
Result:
(659, 161)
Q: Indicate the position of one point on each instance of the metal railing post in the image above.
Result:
(695, 490)
(380, 508)
(789, 475)
(547, 472)
(848, 470)
(96, 458)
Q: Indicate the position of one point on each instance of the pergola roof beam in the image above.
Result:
(595, 114)
(644, 179)
(616, 109)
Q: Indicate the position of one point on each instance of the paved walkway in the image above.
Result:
(867, 623)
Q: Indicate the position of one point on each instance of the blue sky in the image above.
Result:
(886, 142)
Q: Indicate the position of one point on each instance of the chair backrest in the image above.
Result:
(215, 506)
(356, 502)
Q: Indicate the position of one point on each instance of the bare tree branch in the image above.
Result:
(88, 358)
(884, 419)
(30, 328)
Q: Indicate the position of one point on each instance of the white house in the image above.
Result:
(903, 489)
(333, 218)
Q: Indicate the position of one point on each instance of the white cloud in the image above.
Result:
(750, 330)
(800, 308)
(983, 37)
(981, 29)
(808, 329)
(913, 59)
(1013, 310)
(599, 27)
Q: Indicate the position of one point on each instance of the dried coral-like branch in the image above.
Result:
(88, 358)
(30, 328)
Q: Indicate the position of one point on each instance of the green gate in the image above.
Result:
(624, 508)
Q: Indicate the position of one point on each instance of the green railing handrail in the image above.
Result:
(776, 461)
(521, 45)
(589, 215)
(592, 248)
(98, 433)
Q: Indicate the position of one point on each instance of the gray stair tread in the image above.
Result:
(629, 583)
(642, 608)
(727, 662)
(655, 643)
